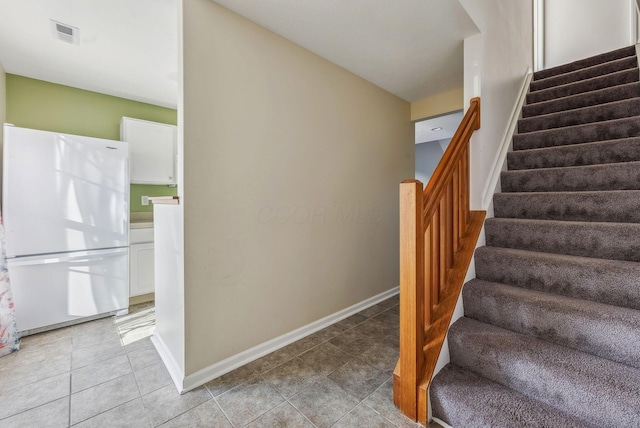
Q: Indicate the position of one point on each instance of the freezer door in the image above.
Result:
(63, 192)
(52, 289)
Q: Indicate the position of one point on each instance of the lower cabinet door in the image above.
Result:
(56, 288)
(142, 269)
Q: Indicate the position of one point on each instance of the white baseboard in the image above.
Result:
(170, 363)
(441, 423)
(216, 370)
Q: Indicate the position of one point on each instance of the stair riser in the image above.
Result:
(606, 281)
(601, 113)
(571, 381)
(614, 79)
(612, 130)
(620, 176)
(586, 73)
(623, 150)
(610, 206)
(613, 241)
(587, 99)
(584, 63)
(602, 330)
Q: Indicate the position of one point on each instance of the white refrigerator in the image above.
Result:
(65, 202)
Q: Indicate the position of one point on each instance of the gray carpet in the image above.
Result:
(599, 152)
(551, 332)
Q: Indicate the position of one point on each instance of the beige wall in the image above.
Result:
(498, 59)
(437, 105)
(291, 173)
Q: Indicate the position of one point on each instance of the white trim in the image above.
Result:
(442, 423)
(634, 18)
(225, 366)
(498, 163)
(538, 35)
(170, 363)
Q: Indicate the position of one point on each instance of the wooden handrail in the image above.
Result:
(438, 233)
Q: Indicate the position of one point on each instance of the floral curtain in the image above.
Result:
(9, 341)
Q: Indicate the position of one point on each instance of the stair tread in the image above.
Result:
(596, 328)
(614, 176)
(585, 62)
(586, 224)
(598, 205)
(587, 85)
(581, 116)
(580, 154)
(576, 134)
(585, 73)
(583, 385)
(607, 176)
(584, 99)
(464, 399)
(616, 241)
(613, 282)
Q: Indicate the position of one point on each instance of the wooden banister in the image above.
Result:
(438, 233)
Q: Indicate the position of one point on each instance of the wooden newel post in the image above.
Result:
(412, 296)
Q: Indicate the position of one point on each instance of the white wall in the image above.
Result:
(576, 29)
(169, 335)
(3, 97)
(291, 173)
(496, 61)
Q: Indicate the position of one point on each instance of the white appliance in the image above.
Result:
(65, 201)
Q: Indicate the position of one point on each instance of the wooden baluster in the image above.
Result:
(442, 256)
(464, 202)
(435, 258)
(428, 278)
(467, 209)
(455, 200)
(449, 225)
(411, 295)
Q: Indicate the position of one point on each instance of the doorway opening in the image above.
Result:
(432, 137)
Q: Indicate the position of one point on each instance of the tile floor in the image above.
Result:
(106, 373)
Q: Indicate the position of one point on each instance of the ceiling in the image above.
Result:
(129, 48)
(427, 130)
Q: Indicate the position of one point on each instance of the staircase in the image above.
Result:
(551, 332)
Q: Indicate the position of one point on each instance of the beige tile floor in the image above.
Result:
(106, 373)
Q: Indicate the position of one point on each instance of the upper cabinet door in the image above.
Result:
(152, 149)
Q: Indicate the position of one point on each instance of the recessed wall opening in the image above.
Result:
(432, 137)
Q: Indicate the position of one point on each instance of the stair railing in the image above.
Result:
(438, 234)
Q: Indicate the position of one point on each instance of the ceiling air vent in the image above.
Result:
(65, 32)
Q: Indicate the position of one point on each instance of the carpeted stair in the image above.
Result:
(551, 332)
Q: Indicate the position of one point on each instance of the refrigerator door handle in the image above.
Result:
(65, 257)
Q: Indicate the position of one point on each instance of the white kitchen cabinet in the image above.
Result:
(152, 151)
(141, 259)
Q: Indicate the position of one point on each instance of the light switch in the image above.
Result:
(144, 200)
